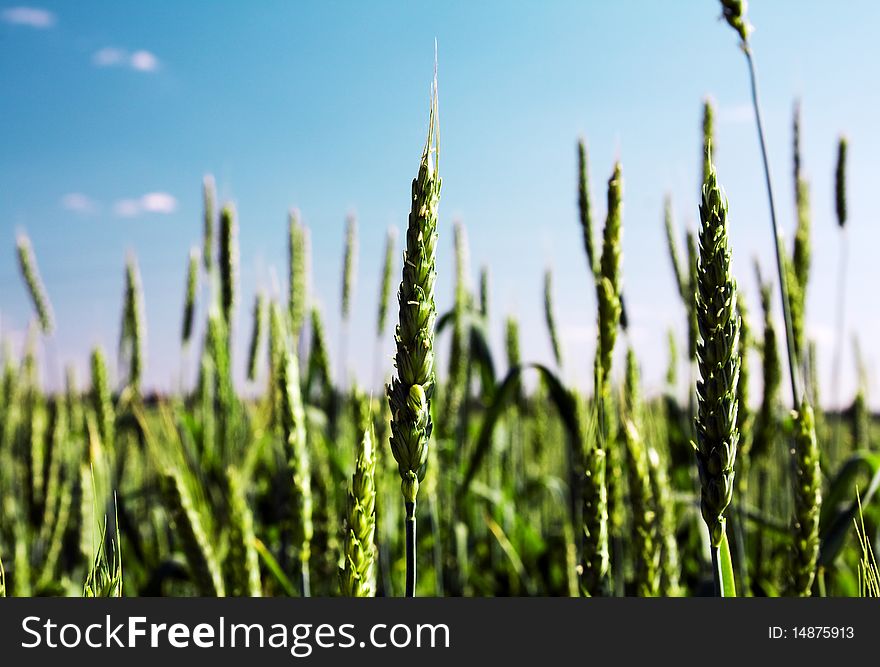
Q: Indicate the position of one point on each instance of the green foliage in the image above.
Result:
(188, 519)
(105, 579)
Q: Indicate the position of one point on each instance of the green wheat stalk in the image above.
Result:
(132, 333)
(550, 318)
(293, 427)
(296, 262)
(189, 302)
(410, 391)
(197, 546)
(209, 207)
(744, 416)
(641, 497)
(319, 358)
(681, 280)
(813, 377)
(356, 577)
(608, 285)
(860, 414)
(800, 260)
(840, 181)
(693, 328)
(684, 281)
(807, 502)
(767, 420)
(484, 292)
(664, 505)
(228, 261)
(840, 318)
(384, 298)
(102, 400)
(672, 363)
(242, 561)
(596, 557)
(602, 471)
(584, 205)
(718, 362)
(734, 12)
(104, 578)
(257, 333)
(385, 286)
(458, 361)
(27, 263)
(708, 137)
(349, 265)
(512, 351)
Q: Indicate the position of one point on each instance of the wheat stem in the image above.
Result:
(777, 235)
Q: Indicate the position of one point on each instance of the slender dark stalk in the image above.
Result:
(840, 209)
(716, 571)
(410, 522)
(777, 234)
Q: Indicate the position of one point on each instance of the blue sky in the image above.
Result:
(113, 112)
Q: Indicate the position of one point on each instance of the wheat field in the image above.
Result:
(488, 475)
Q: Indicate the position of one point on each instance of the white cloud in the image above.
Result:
(79, 203)
(108, 56)
(158, 202)
(111, 56)
(152, 202)
(32, 17)
(144, 61)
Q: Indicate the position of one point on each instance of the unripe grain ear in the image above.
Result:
(410, 392)
(27, 263)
